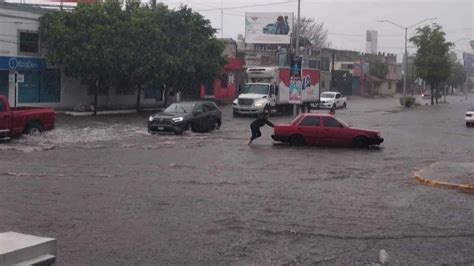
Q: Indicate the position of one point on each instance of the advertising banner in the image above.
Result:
(296, 86)
(268, 28)
(296, 64)
(295, 91)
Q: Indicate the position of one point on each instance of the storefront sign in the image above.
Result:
(21, 63)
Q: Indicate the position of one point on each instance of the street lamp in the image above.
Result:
(406, 50)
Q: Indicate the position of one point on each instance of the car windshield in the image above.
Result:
(328, 95)
(180, 108)
(255, 88)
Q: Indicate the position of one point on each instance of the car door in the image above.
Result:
(199, 119)
(309, 128)
(213, 116)
(332, 132)
(5, 121)
(212, 111)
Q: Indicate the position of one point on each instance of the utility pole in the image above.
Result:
(405, 67)
(222, 19)
(297, 50)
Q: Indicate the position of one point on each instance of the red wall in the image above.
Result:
(232, 70)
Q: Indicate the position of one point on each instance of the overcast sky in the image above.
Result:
(347, 20)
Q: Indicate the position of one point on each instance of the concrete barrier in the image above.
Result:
(21, 249)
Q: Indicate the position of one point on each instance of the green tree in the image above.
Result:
(197, 56)
(128, 45)
(80, 41)
(378, 69)
(432, 60)
(457, 76)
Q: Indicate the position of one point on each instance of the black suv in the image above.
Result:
(198, 116)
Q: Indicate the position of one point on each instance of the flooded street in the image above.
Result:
(114, 195)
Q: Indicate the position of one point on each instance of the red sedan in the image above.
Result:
(323, 129)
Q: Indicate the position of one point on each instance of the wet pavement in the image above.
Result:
(114, 195)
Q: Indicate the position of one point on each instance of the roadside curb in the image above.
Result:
(99, 113)
(442, 184)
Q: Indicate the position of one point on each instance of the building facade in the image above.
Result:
(225, 87)
(27, 79)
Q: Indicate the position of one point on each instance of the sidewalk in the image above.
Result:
(111, 112)
(454, 175)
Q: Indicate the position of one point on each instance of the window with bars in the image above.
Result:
(29, 42)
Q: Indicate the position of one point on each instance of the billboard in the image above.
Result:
(268, 28)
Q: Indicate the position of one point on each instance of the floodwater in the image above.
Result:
(113, 194)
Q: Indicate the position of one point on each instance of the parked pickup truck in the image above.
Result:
(331, 99)
(28, 120)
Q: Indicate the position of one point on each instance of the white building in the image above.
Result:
(371, 42)
(22, 53)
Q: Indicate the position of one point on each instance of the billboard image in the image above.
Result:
(268, 28)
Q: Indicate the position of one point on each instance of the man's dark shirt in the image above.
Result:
(260, 122)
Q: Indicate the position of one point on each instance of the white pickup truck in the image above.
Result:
(329, 99)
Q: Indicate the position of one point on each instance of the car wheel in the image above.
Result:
(334, 106)
(297, 140)
(235, 114)
(360, 142)
(34, 129)
(344, 105)
(193, 127)
(188, 127)
(468, 124)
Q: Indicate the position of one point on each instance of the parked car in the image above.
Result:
(331, 99)
(178, 117)
(19, 120)
(324, 129)
(470, 117)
